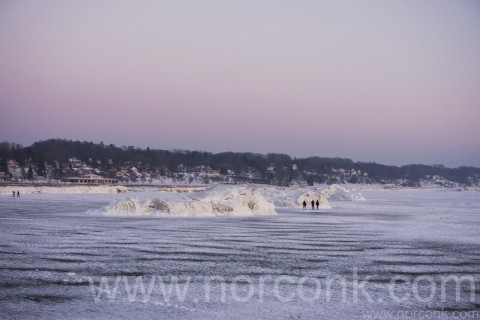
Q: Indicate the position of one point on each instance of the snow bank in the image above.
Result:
(64, 189)
(212, 202)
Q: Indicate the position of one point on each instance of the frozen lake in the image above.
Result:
(54, 254)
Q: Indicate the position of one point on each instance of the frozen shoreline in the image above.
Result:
(52, 246)
(32, 188)
(63, 189)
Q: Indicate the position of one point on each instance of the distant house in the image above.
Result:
(75, 162)
(90, 179)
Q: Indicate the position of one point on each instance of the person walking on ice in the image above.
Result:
(18, 193)
(313, 205)
(13, 194)
(317, 203)
(304, 203)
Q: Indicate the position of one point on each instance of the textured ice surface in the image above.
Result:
(50, 246)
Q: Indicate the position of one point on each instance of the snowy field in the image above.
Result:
(239, 253)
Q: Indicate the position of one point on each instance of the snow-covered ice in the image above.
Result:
(52, 246)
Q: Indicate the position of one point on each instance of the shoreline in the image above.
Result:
(69, 184)
(353, 187)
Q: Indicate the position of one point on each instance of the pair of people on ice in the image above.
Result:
(313, 204)
(13, 193)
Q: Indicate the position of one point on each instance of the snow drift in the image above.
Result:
(215, 201)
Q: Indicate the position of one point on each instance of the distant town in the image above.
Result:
(58, 161)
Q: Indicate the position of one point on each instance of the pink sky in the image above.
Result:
(391, 82)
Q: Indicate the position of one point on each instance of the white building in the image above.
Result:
(90, 179)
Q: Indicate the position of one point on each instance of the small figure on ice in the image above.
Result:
(317, 203)
(304, 203)
(313, 205)
(13, 195)
(18, 193)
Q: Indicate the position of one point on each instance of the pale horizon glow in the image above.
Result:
(390, 82)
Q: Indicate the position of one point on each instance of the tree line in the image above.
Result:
(266, 168)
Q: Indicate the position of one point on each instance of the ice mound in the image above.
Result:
(212, 202)
(339, 193)
(293, 197)
(281, 197)
(126, 206)
(285, 202)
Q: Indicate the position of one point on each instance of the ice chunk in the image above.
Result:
(126, 206)
(336, 192)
